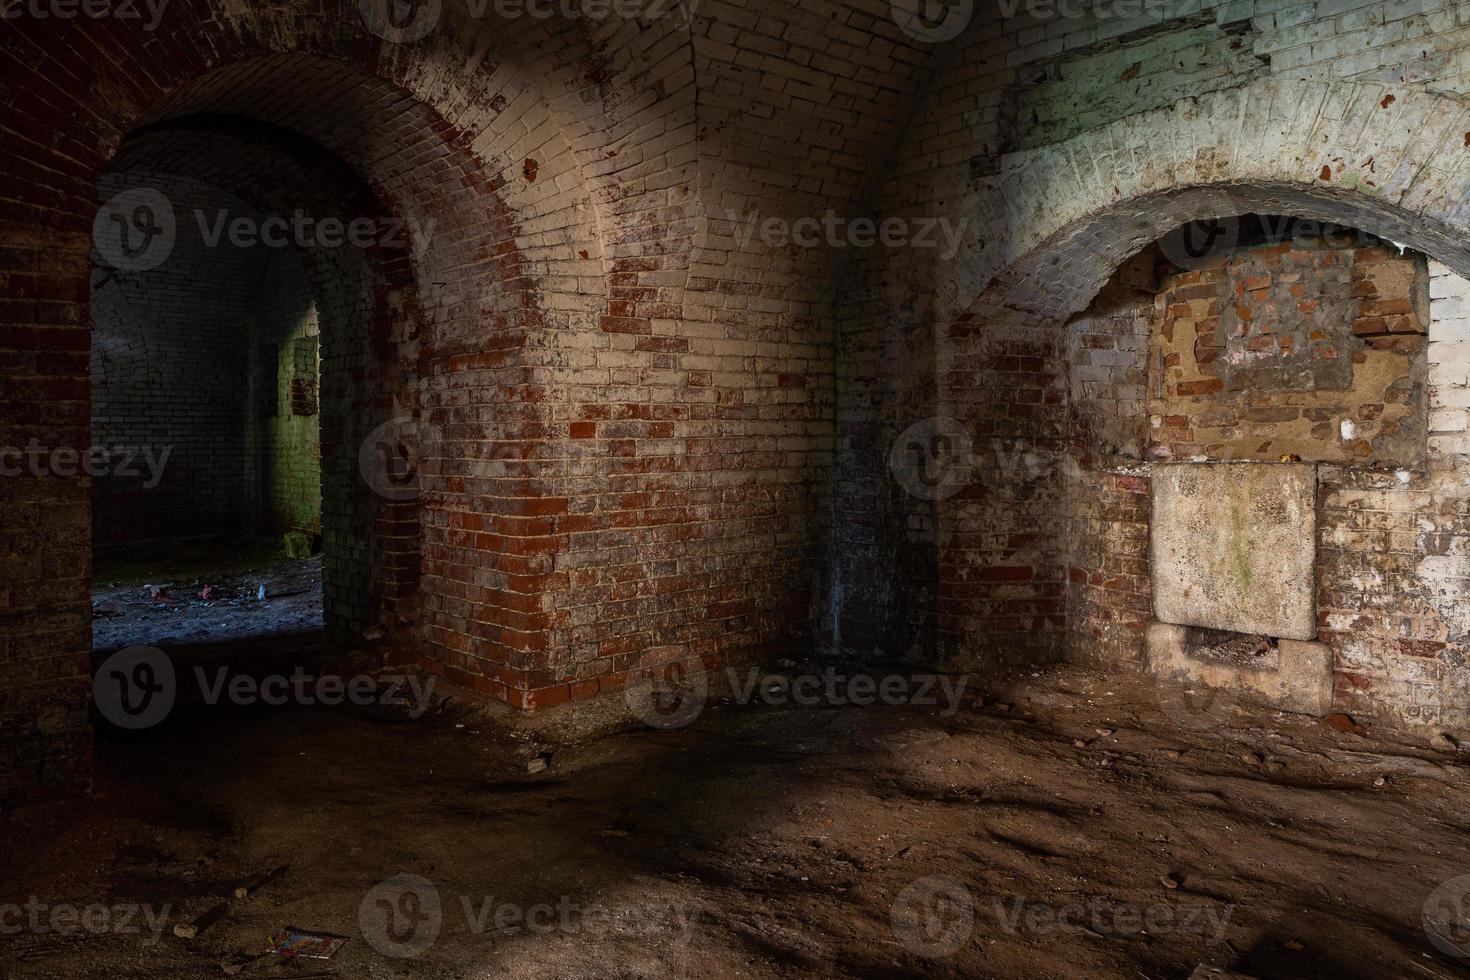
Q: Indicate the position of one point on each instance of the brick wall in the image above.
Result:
(284, 428)
(211, 359)
(1105, 495)
(1310, 346)
(1393, 583)
(651, 432)
(169, 376)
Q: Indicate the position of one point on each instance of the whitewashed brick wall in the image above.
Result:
(1449, 363)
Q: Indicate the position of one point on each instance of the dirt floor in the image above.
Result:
(207, 593)
(1059, 824)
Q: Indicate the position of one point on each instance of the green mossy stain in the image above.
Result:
(1239, 548)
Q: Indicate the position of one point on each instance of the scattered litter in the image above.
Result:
(260, 592)
(291, 941)
(158, 593)
(206, 593)
(191, 930)
(247, 888)
(539, 763)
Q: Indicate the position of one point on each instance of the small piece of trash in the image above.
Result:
(206, 593)
(192, 928)
(1169, 882)
(291, 941)
(247, 888)
(260, 592)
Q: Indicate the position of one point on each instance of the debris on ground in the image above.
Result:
(722, 819)
(206, 600)
(192, 928)
(246, 889)
(291, 941)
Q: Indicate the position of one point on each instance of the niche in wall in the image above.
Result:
(1301, 347)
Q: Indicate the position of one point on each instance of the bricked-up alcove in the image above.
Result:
(1289, 340)
(1049, 368)
(982, 339)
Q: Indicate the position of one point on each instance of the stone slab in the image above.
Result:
(1234, 545)
(1301, 682)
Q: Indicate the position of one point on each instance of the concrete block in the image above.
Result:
(1234, 547)
(1300, 681)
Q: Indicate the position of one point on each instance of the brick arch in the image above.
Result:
(1054, 226)
(1055, 222)
(1045, 232)
(446, 129)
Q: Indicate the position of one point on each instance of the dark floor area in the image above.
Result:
(1064, 824)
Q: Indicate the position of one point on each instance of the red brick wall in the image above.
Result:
(170, 373)
(629, 455)
(1312, 346)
